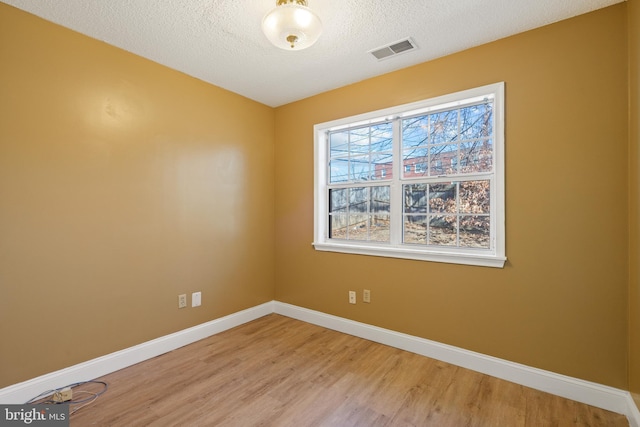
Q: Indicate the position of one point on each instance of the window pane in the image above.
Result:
(443, 127)
(382, 165)
(338, 213)
(475, 231)
(441, 159)
(338, 144)
(338, 200)
(338, 170)
(442, 198)
(415, 229)
(443, 230)
(380, 228)
(358, 227)
(476, 121)
(475, 197)
(415, 131)
(381, 137)
(476, 156)
(338, 226)
(359, 141)
(359, 168)
(359, 199)
(412, 157)
(415, 198)
(486, 156)
(380, 199)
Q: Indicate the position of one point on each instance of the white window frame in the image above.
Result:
(492, 257)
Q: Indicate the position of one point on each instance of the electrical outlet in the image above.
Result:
(182, 300)
(196, 299)
(352, 297)
(366, 295)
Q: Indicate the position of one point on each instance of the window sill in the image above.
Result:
(477, 259)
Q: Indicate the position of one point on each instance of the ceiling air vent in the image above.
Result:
(393, 49)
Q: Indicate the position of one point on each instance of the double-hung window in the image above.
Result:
(419, 181)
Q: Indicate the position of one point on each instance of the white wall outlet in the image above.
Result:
(366, 295)
(196, 299)
(352, 297)
(182, 300)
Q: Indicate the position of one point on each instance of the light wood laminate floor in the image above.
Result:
(276, 371)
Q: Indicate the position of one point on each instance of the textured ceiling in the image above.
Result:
(220, 41)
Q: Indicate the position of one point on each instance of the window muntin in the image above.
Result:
(420, 181)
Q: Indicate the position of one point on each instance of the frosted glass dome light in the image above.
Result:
(292, 25)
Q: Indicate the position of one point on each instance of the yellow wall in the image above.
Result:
(633, 10)
(560, 303)
(122, 184)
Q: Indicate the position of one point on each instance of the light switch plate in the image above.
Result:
(196, 299)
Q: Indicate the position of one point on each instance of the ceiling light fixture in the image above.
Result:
(292, 25)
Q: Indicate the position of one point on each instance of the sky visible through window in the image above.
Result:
(448, 142)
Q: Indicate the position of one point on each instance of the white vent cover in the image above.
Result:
(393, 49)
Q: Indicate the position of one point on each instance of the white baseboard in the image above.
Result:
(598, 395)
(594, 394)
(95, 368)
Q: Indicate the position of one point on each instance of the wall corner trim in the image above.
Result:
(103, 365)
(594, 394)
(633, 414)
